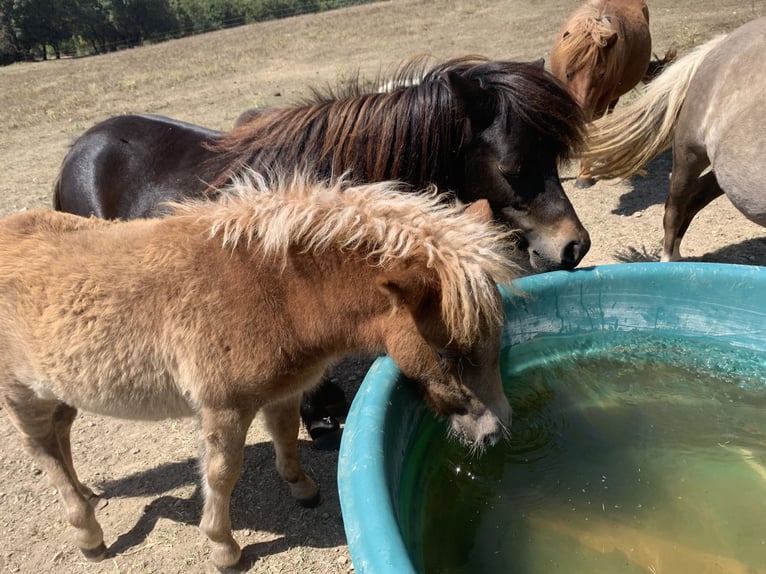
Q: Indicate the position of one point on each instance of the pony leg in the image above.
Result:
(584, 178)
(282, 419)
(223, 441)
(44, 426)
(707, 189)
(63, 419)
(689, 193)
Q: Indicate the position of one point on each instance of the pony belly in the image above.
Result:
(150, 399)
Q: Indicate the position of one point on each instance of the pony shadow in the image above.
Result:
(748, 252)
(260, 502)
(647, 190)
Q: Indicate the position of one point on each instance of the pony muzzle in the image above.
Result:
(484, 429)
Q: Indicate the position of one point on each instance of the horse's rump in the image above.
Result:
(126, 166)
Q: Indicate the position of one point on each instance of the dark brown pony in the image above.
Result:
(473, 127)
(601, 52)
(117, 318)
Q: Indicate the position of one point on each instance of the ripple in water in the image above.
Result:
(628, 453)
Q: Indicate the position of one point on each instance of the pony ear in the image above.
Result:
(402, 287)
(480, 209)
(476, 102)
(539, 63)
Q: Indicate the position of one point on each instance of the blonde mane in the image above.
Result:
(587, 34)
(383, 220)
(621, 143)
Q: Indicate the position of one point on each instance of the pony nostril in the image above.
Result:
(573, 253)
(490, 440)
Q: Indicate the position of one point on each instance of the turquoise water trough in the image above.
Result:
(726, 303)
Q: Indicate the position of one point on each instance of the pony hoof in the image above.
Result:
(325, 434)
(225, 557)
(584, 183)
(311, 502)
(96, 554)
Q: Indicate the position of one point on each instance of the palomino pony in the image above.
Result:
(227, 308)
(710, 106)
(600, 53)
(470, 126)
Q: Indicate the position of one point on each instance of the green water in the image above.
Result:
(628, 454)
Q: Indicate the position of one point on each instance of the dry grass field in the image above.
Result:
(149, 470)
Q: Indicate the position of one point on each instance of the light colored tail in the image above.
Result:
(620, 144)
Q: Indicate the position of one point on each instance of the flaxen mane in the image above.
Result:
(381, 219)
(587, 34)
(328, 131)
(622, 143)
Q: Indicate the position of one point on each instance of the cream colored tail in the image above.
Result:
(620, 144)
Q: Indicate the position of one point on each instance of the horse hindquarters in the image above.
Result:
(126, 166)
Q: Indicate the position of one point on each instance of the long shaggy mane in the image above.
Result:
(385, 221)
(374, 135)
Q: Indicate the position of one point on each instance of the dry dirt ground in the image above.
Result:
(148, 470)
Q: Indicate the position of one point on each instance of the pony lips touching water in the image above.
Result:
(601, 52)
(710, 106)
(227, 308)
(473, 127)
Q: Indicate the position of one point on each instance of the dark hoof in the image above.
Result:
(585, 183)
(96, 554)
(312, 502)
(325, 433)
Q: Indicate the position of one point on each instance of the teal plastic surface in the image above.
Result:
(726, 302)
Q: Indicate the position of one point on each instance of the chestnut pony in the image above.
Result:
(709, 106)
(601, 52)
(227, 308)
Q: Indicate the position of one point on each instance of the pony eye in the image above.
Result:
(509, 172)
(448, 357)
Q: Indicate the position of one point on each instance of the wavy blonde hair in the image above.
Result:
(386, 221)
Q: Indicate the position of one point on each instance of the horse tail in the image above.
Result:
(620, 144)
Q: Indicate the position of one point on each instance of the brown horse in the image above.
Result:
(600, 53)
(227, 308)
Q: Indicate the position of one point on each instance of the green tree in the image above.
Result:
(139, 20)
(92, 23)
(42, 23)
(9, 51)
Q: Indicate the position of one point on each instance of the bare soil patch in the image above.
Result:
(148, 470)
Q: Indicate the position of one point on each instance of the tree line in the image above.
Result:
(42, 29)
